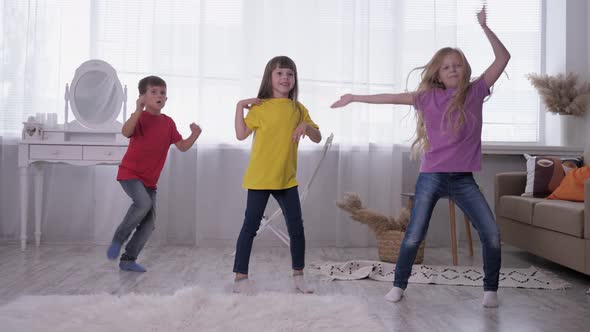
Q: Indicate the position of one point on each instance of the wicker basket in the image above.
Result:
(389, 243)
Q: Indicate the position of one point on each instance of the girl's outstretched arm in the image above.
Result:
(406, 98)
(501, 54)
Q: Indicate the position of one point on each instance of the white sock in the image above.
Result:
(395, 294)
(245, 286)
(301, 286)
(490, 299)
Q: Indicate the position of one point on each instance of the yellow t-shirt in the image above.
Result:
(273, 160)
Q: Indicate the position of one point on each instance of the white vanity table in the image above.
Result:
(93, 138)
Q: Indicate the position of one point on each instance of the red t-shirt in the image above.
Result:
(148, 148)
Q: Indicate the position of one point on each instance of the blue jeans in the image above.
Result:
(140, 217)
(288, 200)
(462, 189)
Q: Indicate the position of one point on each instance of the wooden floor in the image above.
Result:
(84, 269)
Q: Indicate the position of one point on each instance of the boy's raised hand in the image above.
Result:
(482, 17)
(248, 103)
(344, 100)
(195, 129)
(139, 103)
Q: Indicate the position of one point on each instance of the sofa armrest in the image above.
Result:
(508, 183)
(587, 209)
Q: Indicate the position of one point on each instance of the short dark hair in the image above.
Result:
(150, 80)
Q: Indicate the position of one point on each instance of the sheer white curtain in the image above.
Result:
(212, 54)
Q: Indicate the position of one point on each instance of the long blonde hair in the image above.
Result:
(430, 80)
(265, 90)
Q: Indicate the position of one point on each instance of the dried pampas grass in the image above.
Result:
(389, 231)
(377, 222)
(561, 93)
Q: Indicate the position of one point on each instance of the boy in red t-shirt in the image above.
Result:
(150, 135)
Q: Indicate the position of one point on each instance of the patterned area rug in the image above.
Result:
(441, 275)
(189, 309)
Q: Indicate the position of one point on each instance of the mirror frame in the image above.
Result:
(104, 67)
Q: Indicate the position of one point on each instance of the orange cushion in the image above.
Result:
(572, 185)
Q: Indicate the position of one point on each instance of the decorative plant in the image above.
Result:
(389, 231)
(561, 93)
(377, 222)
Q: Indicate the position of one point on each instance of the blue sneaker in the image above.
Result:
(113, 251)
(131, 266)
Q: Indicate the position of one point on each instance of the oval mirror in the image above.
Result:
(96, 94)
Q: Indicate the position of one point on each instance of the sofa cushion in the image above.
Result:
(544, 173)
(519, 208)
(572, 186)
(560, 216)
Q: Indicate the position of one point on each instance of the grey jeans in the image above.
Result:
(140, 217)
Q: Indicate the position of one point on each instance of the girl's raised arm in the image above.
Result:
(242, 130)
(501, 54)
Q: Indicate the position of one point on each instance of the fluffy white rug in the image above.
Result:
(189, 309)
(441, 275)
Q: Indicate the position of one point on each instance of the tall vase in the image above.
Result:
(572, 131)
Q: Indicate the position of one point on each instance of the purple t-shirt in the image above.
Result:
(452, 151)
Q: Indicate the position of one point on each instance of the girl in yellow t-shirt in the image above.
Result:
(278, 121)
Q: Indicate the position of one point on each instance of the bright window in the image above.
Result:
(212, 53)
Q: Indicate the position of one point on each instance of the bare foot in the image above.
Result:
(245, 286)
(301, 285)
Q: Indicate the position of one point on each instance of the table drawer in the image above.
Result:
(104, 152)
(55, 152)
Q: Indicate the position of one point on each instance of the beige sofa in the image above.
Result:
(556, 230)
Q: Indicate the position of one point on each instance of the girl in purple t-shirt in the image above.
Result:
(449, 109)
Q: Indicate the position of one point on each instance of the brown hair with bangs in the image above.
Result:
(265, 90)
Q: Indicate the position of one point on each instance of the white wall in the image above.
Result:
(587, 64)
(567, 50)
(578, 51)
